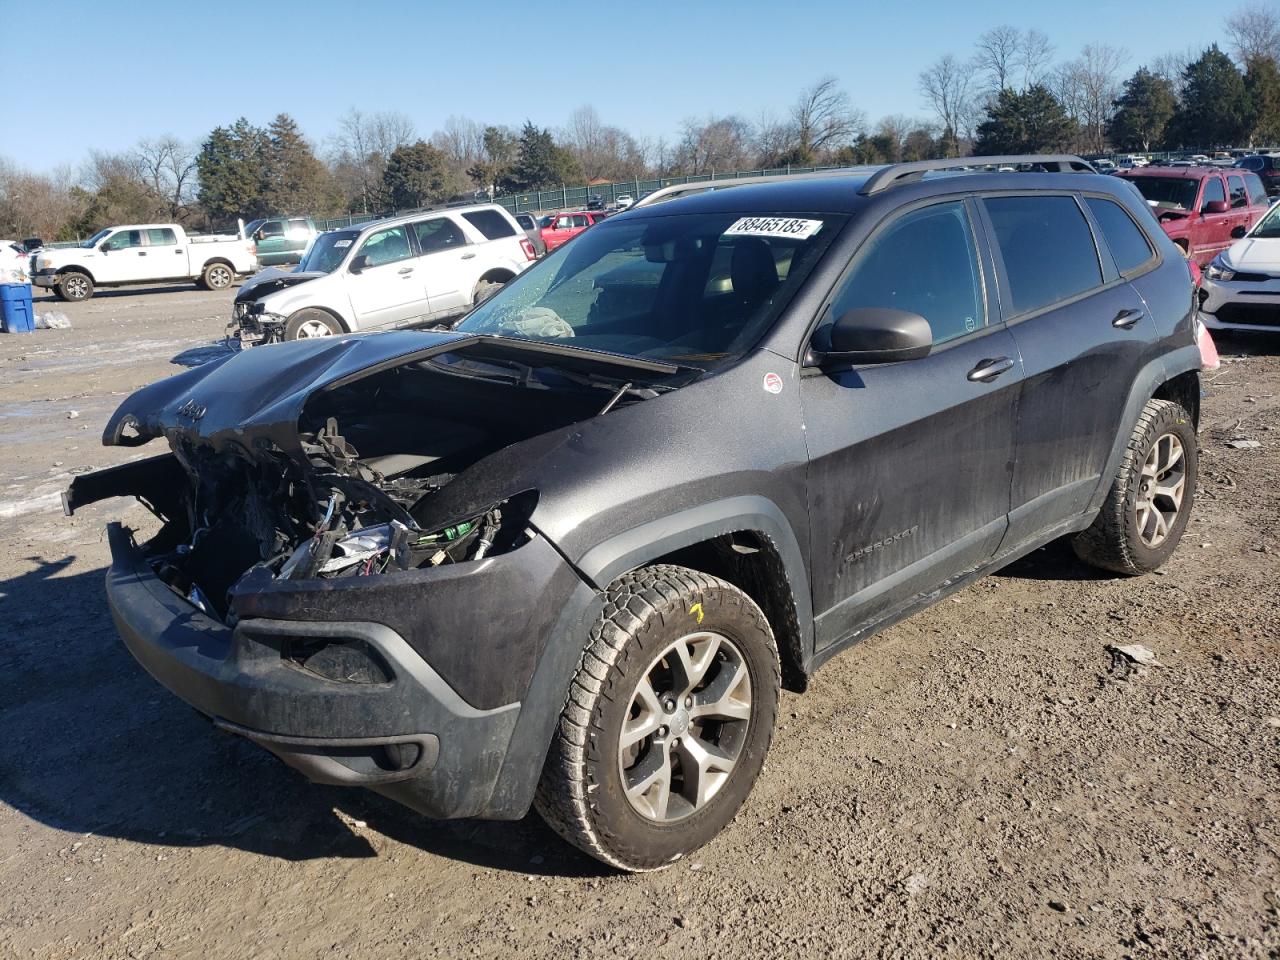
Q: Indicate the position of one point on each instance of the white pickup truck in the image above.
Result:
(143, 253)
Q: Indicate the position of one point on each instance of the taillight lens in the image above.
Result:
(529, 252)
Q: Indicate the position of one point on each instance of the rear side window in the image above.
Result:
(1128, 245)
(490, 223)
(923, 263)
(1257, 192)
(161, 238)
(1047, 248)
(525, 221)
(297, 226)
(1212, 191)
(1238, 196)
(580, 220)
(439, 234)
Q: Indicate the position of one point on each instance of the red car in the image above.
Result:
(565, 226)
(1203, 209)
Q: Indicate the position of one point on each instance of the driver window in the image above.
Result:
(386, 246)
(125, 239)
(1212, 191)
(564, 223)
(271, 229)
(923, 263)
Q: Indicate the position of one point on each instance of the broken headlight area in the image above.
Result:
(257, 520)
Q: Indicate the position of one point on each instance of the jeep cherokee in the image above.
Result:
(567, 553)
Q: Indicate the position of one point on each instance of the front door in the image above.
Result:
(1212, 234)
(388, 288)
(911, 462)
(126, 260)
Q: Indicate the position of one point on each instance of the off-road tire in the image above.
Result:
(74, 286)
(580, 795)
(484, 290)
(1112, 542)
(216, 276)
(310, 319)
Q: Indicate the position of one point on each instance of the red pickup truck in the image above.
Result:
(565, 226)
(1203, 209)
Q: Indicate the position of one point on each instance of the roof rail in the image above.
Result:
(701, 186)
(897, 173)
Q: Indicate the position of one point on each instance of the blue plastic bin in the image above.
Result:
(16, 315)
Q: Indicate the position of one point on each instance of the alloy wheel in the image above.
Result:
(1161, 486)
(219, 277)
(686, 726)
(314, 328)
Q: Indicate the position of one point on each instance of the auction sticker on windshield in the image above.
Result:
(781, 227)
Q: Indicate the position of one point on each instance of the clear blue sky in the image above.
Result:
(106, 73)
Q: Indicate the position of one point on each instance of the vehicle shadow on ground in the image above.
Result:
(1054, 561)
(48, 296)
(95, 745)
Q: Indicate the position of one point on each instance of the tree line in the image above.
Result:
(1009, 94)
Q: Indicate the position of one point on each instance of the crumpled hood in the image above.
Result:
(258, 395)
(1253, 254)
(272, 280)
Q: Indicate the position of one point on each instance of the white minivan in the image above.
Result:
(404, 271)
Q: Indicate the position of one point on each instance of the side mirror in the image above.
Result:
(1238, 232)
(359, 263)
(874, 335)
(1216, 206)
(105, 246)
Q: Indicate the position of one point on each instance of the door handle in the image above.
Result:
(142, 253)
(468, 256)
(989, 369)
(403, 271)
(1126, 319)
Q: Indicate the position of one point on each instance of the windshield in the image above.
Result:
(1268, 227)
(327, 251)
(1168, 193)
(96, 238)
(694, 288)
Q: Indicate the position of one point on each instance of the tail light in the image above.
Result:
(1194, 269)
(1209, 359)
(529, 252)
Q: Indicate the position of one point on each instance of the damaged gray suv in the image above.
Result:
(567, 553)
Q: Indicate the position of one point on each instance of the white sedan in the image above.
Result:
(1241, 287)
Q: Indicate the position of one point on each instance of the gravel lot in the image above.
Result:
(980, 780)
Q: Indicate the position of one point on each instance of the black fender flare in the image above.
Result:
(1149, 380)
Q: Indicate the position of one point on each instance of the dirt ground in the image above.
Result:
(980, 780)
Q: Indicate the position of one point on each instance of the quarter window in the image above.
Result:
(1047, 248)
(386, 246)
(1127, 243)
(439, 234)
(924, 263)
(1212, 191)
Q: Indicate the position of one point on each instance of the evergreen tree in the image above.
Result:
(539, 162)
(1029, 122)
(1262, 81)
(233, 172)
(1142, 112)
(296, 181)
(1215, 109)
(415, 176)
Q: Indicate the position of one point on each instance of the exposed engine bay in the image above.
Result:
(376, 470)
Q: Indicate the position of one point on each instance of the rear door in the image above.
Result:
(444, 265)
(272, 243)
(297, 235)
(389, 289)
(910, 463)
(1082, 332)
(165, 257)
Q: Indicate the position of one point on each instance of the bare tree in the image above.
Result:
(775, 139)
(1172, 66)
(997, 56)
(39, 205)
(169, 165)
(823, 118)
(717, 143)
(1255, 32)
(361, 148)
(1034, 57)
(1097, 73)
(946, 84)
(462, 142)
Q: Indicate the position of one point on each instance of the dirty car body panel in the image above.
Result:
(381, 555)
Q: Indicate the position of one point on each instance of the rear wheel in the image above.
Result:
(668, 720)
(75, 286)
(306, 324)
(1150, 501)
(217, 276)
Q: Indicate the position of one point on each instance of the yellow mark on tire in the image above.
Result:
(696, 611)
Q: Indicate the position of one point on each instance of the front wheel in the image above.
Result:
(668, 720)
(306, 324)
(74, 286)
(1150, 501)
